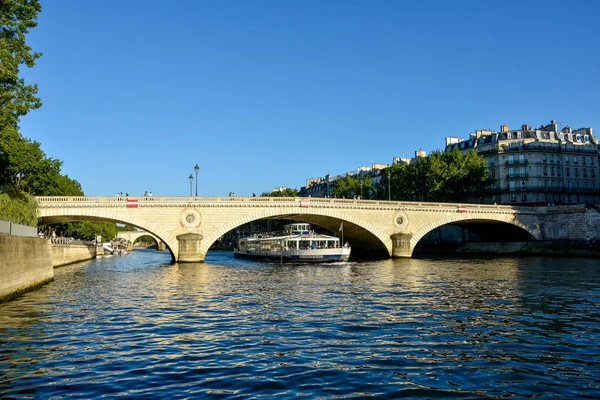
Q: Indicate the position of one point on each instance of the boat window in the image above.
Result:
(292, 245)
(304, 244)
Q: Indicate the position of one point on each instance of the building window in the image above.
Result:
(568, 171)
(513, 197)
(522, 158)
(523, 197)
(512, 186)
(567, 159)
(551, 157)
(493, 173)
(575, 160)
(509, 135)
(544, 157)
(511, 172)
(545, 184)
(584, 172)
(568, 184)
(545, 170)
(583, 160)
(552, 170)
(493, 161)
(511, 159)
(522, 172)
(576, 171)
(519, 135)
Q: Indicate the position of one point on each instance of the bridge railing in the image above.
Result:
(303, 201)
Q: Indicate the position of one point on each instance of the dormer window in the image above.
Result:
(494, 137)
(586, 138)
(578, 137)
(519, 135)
(509, 135)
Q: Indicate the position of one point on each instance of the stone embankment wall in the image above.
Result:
(64, 254)
(581, 224)
(25, 263)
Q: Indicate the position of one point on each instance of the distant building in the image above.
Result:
(537, 166)
(321, 187)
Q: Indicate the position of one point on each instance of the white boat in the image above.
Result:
(297, 244)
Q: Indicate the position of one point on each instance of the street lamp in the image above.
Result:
(196, 168)
(389, 187)
(191, 180)
(361, 185)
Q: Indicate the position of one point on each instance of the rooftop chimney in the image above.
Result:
(503, 128)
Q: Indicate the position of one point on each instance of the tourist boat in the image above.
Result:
(298, 243)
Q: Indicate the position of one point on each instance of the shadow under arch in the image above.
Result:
(478, 229)
(48, 220)
(366, 241)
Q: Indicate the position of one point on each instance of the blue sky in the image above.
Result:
(264, 94)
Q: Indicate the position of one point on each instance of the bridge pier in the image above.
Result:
(401, 245)
(189, 248)
(161, 246)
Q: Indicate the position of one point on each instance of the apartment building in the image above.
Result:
(537, 166)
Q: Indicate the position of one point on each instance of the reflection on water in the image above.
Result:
(137, 326)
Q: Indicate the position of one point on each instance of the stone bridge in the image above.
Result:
(132, 236)
(374, 228)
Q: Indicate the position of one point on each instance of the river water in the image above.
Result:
(138, 327)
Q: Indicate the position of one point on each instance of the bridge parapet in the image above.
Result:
(277, 201)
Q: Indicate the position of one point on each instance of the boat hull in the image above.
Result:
(311, 256)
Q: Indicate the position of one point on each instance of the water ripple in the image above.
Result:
(137, 327)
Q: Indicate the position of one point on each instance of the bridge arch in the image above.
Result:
(133, 236)
(533, 233)
(109, 214)
(364, 238)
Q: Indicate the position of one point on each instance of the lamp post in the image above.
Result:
(389, 187)
(191, 180)
(196, 168)
(361, 185)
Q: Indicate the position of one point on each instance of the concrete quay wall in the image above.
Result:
(25, 264)
(65, 254)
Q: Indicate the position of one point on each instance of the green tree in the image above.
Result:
(287, 192)
(449, 176)
(21, 209)
(17, 98)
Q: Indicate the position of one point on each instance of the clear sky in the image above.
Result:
(268, 93)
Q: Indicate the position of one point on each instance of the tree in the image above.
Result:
(449, 176)
(287, 192)
(17, 98)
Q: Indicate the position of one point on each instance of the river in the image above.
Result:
(139, 327)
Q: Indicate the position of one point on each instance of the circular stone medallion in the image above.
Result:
(190, 218)
(400, 220)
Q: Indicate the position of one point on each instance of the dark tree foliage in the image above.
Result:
(449, 176)
(350, 187)
(17, 98)
(281, 193)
